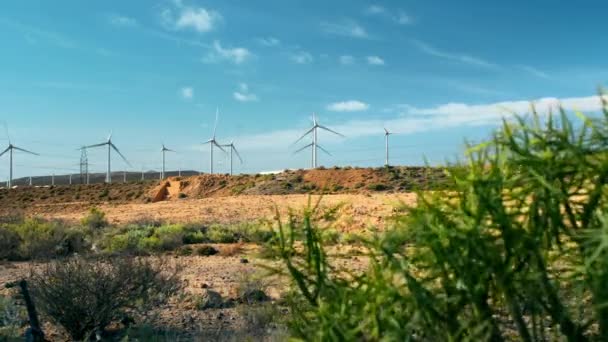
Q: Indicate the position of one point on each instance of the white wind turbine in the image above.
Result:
(10, 149)
(314, 144)
(163, 150)
(212, 142)
(111, 147)
(232, 148)
(386, 134)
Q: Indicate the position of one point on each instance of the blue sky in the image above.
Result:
(437, 72)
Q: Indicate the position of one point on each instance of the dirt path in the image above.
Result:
(357, 211)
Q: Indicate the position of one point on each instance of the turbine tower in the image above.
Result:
(386, 134)
(314, 144)
(212, 142)
(232, 148)
(163, 150)
(111, 147)
(10, 149)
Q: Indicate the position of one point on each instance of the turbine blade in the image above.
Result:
(330, 130)
(303, 148)
(24, 150)
(110, 136)
(217, 114)
(386, 130)
(96, 145)
(120, 154)
(3, 152)
(219, 146)
(303, 135)
(322, 149)
(237, 153)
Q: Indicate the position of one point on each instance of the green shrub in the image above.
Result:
(378, 187)
(221, 234)
(206, 250)
(84, 296)
(12, 319)
(515, 251)
(9, 244)
(96, 219)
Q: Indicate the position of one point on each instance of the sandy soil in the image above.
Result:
(356, 212)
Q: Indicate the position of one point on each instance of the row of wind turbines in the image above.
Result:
(213, 142)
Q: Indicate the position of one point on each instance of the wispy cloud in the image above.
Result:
(534, 71)
(414, 120)
(375, 60)
(268, 41)
(347, 60)
(121, 20)
(375, 9)
(346, 28)
(243, 94)
(348, 106)
(301, 57)
(235, 55)
(181, 17)
(187, 93)
(460, 58)
(63, 85)
(400, 17)
(34, 34)
(403, 18)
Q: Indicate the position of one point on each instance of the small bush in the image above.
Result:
(221, 234)
(85, 296)
(209, 300)
(206, 250)
(12, 319)
(9, 244)
(378, 187)
(96, 219)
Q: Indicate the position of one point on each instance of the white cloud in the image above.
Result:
(243, 94)
(187, 93)
(375, 60)
(415, 120)
(348, 106)
(347, 60)
(269, 41)
(403, 18)
(302, 57)
(182, 17)
(461, 58)
(346, 28)
(534, 71)
(121, 20)
(236, 55)
(375, 9)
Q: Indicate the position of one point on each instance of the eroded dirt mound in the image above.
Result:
(319, 181)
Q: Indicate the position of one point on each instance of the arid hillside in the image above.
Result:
(31, 200)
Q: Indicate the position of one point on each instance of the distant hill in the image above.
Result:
(97, 178)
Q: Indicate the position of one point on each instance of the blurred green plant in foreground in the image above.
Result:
(518, 250)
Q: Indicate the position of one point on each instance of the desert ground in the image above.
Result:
(362, 205)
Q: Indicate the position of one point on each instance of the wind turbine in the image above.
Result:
(386, 134)
(10, 149)
(212, 142)
(232, 148)
(314, 144)
(111, 147)
(163, 150)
